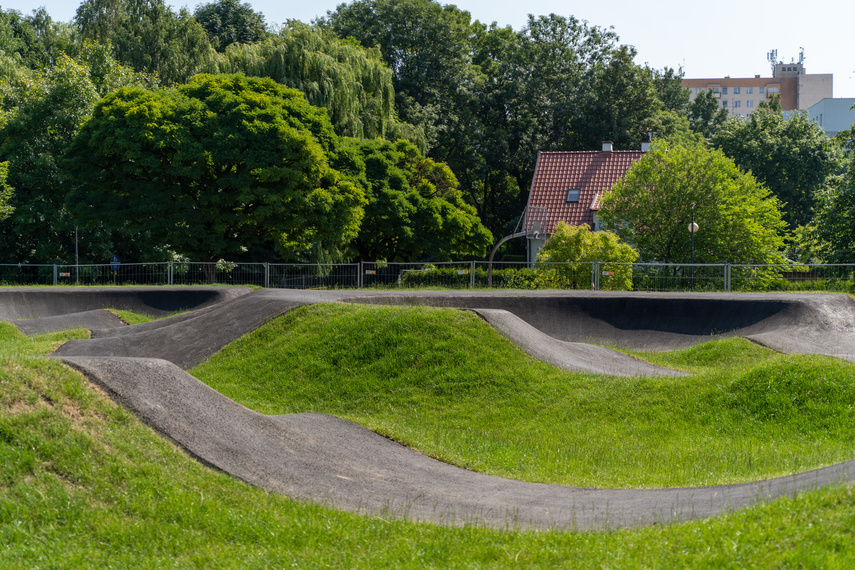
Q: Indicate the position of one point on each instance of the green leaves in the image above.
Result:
(213, 167)
(652, 206)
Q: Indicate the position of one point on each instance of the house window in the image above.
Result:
(762, 90)
(724, 104)
(737, 103)
(736, 90)
(749, 90)
(724, 90)
(573, 195)
(774, 90)
(749, 103)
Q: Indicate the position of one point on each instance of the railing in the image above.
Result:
(448, 275)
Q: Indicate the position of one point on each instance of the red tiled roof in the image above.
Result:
(593, 172)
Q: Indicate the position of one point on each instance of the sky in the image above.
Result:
(707, 39)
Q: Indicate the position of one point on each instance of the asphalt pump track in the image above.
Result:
(324, 459)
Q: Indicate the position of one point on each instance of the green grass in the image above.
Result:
(443, 382)
(84, 484)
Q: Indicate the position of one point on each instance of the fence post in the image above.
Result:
(359, 274)
(596, 283)
(727, 277)
(169, 273)
(266, 275)
(55, 275)
(472, 274)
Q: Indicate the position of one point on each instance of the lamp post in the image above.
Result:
(693, 227)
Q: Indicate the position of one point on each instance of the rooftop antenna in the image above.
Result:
(802, 55)
(772, 58)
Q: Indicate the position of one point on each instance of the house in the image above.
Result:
(567, 186)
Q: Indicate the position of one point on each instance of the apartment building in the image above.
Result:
(740, 96)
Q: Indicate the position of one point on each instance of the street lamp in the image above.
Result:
(693, 228)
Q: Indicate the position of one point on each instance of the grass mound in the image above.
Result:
(443, 382)
(84, 484)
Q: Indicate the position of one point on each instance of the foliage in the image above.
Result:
(570, 244)
(35, 40)
(668, 83)
(351, 82)
(147, 36)
(213, 167)
(793, 157)
(34, 141)
(6, 192)
(415, 209)
(706, 116)
(229, 22)
(651, 208)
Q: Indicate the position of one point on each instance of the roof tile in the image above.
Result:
(592, 172)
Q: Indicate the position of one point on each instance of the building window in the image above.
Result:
(773, 90)
(762, 90)
(737, 103)
(724, 90)
(749, 103)
(724, 104)
(749, 90)
(573, 195)
(736, 90)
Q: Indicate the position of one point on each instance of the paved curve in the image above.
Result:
(325, 459)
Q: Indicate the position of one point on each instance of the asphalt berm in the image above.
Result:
(324, 459)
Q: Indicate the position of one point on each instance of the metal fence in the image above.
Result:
(448, 275)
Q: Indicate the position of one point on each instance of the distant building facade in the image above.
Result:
(740, 96)
(833, 115)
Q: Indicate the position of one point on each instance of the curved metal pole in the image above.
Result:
(493, 253)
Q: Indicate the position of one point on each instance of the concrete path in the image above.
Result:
(324, 459)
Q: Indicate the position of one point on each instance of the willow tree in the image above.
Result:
(352, 82)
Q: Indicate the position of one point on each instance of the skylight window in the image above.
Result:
(573, 195)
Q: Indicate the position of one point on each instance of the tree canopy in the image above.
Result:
(351, 82)
(652, 206)
(229, 22)
(792, 157)
(213, 167)
(415, 209)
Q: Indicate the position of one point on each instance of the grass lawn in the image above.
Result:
(84, 484)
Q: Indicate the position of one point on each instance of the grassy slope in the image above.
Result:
(442, 381)
(83, 484)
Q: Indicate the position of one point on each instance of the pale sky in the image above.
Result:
(707, 39)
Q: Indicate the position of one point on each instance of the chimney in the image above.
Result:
(607, 146)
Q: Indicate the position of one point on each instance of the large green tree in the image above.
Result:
(415, 209)
(212, 168)
(651, 208)
(350, 81)
(793, 157)
(229, 22)
(706, 115)
(147, 35)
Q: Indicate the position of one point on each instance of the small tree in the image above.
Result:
(651, 208)
(578, 244)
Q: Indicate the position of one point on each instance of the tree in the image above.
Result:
(34, 141)
(793, 157)
(705, 114)
(6, 192)
(668, 83)
(578, 244)
(351, 82)
(651, 208)
(832, 229)
(147, 36)
(229, 22)
(415, 209)
(214, 167)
